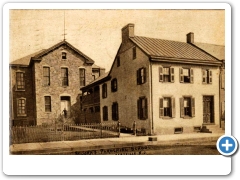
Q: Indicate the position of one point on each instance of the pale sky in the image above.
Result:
(97, 33)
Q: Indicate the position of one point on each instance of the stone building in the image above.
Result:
(162, 86)
(45, 84)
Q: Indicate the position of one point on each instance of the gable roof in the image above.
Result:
(103, 78)
(170, 49)
(218, 51)
(25, 61)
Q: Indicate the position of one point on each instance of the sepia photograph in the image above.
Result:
(116, 82)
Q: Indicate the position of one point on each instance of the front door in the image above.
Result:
(208, 115)
(65, 105)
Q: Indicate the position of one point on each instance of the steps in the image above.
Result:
(211, 129)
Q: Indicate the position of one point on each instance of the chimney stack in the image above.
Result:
(127, 32)
(190, 37)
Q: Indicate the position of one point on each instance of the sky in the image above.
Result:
(97, 33)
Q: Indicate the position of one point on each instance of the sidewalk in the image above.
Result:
(125, 140)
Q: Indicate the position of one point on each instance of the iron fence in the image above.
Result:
(63, 132)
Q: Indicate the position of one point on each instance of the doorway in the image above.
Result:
(65, 105)
(208, 109)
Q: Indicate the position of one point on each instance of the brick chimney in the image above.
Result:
(127, 31)
(190, 37)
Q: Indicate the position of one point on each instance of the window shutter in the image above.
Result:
(173, 107)
(210, 76)
(116, 88)
(204, 76)
(181, 108)
(160, 74)
(117, 111)
(161, 114)
(146, 108)
(113, 112)
(191, 75)
(172, 74)
(138, 77)
(223, 80)
(145, 75)
(193, 107)
(181, 74)
(112, 85)
(138, 108)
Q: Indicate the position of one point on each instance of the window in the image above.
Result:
(142, 108)
(91, 110)
(82, 76)
(166, 74)
(97, 108)
(64, 76)
(207, 76)
(114, 85)
(186, 75)
(118, 61)
(47, 103)
(115, 111)
(187, 105)
(64, 55)
(141, 76)
(46, 76)
(167, 107)
(21, 107)
(178, 130)
(104, 90)
(105, 113)
(20, 80)
(134, 53)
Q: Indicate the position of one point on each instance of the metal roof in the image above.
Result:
(217, 51)
(26, 60)
(100, 79)
(171, 49)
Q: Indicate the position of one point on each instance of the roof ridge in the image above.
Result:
(160, 39)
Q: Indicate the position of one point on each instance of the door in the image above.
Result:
(208, 115)
(65, 105)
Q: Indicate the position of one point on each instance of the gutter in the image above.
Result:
(185, 61)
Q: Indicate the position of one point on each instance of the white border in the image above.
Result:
(114, 165)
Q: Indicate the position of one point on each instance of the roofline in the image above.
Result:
(204, 50)
(19, 65)
(96, 83)
(115, 59)
(186, 61)
(69, 45)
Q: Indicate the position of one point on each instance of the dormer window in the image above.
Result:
(64, 55)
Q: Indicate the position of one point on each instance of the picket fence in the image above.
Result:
(63, 132)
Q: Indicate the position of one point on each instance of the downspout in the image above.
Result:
(151, 99)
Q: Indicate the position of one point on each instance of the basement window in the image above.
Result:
(197, 128)
(178, 130)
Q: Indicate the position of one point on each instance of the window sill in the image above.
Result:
(22, 115)
(166, 117)
(64, 86)
(19, 90)
(187, 117)
(48, 112)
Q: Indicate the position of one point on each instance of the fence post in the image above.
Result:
(119, 128)
(135, 128)
(101, 129)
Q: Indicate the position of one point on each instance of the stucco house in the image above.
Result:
(159, 86)
(218, 51)
(45, 83)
